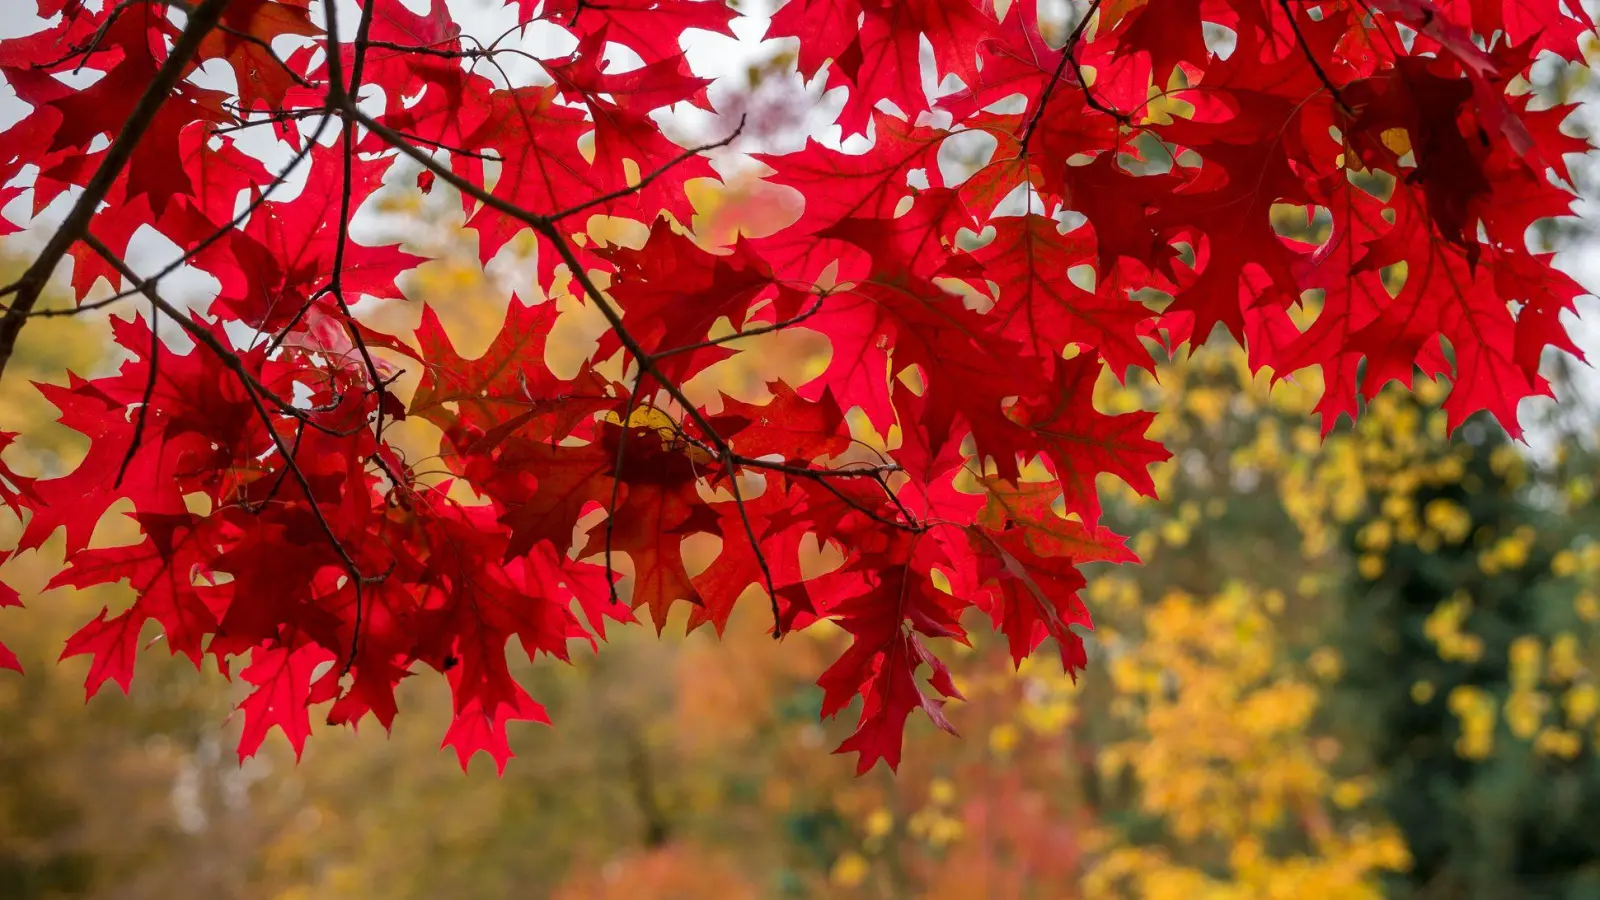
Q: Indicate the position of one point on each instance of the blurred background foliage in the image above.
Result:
(1356, 667)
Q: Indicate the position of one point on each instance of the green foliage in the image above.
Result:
(1472, 664)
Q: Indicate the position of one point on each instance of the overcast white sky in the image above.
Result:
(711, 56)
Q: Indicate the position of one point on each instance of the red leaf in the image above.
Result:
(1081, 443)
(282, 696)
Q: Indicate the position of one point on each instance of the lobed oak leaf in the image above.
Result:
(8, 597)
(565, 481)
(112, 644)
(660, 507)
(476, 729)
(788, 426)
(162, 572)
(1039, 305)
(883, 609)
(1081, 443)
(281, 696)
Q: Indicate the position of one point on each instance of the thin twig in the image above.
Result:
(755, 545)
(1069, 55)
(911, 525)
(275, 117)
(644, 182)
(452, 150)
(474, 54)
(144, 403)
(616, 483)
(424, 49)
(769, 328)
(283, 333)
(808, 472)
(89, 47)
(1305, 48)
(277, 484)
(339, 96)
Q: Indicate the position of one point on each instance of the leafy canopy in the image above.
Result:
(1125, 206)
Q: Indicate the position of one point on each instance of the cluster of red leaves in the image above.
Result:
(279, 524)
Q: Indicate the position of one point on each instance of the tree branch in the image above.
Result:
(769, 328)
(33, 281)
(339, 96)
(755, 545)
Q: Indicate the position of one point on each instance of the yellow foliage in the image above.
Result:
(1221, 750)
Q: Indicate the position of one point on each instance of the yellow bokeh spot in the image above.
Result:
(1559, 743)
(1350, 794)
(1448, 518)
(1581, 703)
(1326, 663)
(1004, 739)
(879, 822)
(1587, 606)
(850, 869)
